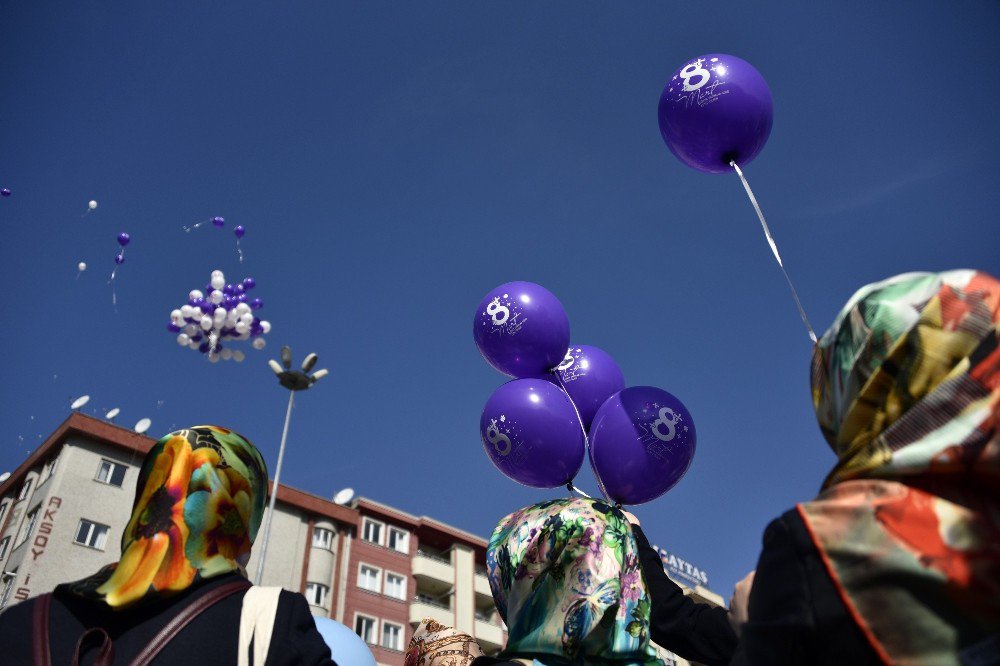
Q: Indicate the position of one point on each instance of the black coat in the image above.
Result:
(697, 632)
(212, 638)
(796, 615)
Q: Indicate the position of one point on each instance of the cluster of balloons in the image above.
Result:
(222, 312)
(239, 231)
(568, 400)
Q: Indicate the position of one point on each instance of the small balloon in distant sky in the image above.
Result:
(80, 268)
(123, 240)
(217, 221)
(92, 205)
(4, 192)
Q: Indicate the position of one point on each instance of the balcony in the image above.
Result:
(488, 635)
(482, 585)
(433, 567)
(422, 606)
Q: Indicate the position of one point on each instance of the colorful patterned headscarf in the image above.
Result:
(566, 579)
(434, 644)
(199, 502)
(906, 385)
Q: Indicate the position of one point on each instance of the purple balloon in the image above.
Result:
(123, 239)
(4, 192)
(204, 347)
(119, 259)
(521, 329)
(239, 231)
(641, 444)
(249, 283)
(218, 221)
(256, 304)
(173, 328)
(530, 432)
(228, 290)
(590, 376)
(714, 109)
(239, 288)
(207, 308)
(242, 298)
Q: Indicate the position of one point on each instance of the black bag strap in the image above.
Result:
(40, 630)
(183, 618)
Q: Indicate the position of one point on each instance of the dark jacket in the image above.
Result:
(796, 615)
(212, 638)
(697, 632)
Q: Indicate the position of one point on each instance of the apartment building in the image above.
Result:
(370, 566)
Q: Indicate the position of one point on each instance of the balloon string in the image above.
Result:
(195, 226)
(774, 249)
(239, 250)
(573, 489)
(586, 439)
(114, 296)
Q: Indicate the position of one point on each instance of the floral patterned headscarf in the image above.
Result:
(566, 579)
(906, 385)
(199, 502)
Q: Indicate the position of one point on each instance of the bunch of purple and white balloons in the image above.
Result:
(566, 401)
(214, 319)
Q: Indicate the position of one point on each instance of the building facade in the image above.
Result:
(370, 566)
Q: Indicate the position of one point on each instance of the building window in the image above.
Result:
(3, 547)
(111, 473)
(395, 585)
(91, 534)
(322, 538)
(50, 468)
(316, 594)
(3, 512)
(29, 525)
(25, 489)
(392, 636)
(369, 578)
(364, 626)
(372, 531)
(399, 540)
(8, 585)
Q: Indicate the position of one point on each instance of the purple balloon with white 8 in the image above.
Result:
(521, 329)
(716, 108)
(642, 442)
(530, 431)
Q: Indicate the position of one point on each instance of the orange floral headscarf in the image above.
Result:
(199, 502)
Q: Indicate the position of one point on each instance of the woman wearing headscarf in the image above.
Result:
(199, 502)
(567, 580)
(898, 558)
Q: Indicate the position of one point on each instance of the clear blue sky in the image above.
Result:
(392, 162)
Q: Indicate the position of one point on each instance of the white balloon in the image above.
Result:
(226, 354)
(216, 296)
(218, 272)
(213, 358)
(206, 323)
(218, 281)
(259, 343)
(242, 308)
(82, 266)
(185, 311)
(92, 205)
(176, 314)
(195, 294)
(238, 356)
(241, 328)
(265, 326)
(219, 313)
(247, 319)
(183, 339)
(193, 345)
(191, 329)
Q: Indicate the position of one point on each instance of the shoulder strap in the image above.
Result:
(174, 627)
(260, 606)
(40, 630)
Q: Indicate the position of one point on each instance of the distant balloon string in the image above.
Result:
(586, 439)
(774, 249)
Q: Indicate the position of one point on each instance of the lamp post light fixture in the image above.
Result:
(293, 380)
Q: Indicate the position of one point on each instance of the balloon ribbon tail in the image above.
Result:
(774, 250)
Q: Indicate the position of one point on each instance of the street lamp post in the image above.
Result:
(293, 380)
